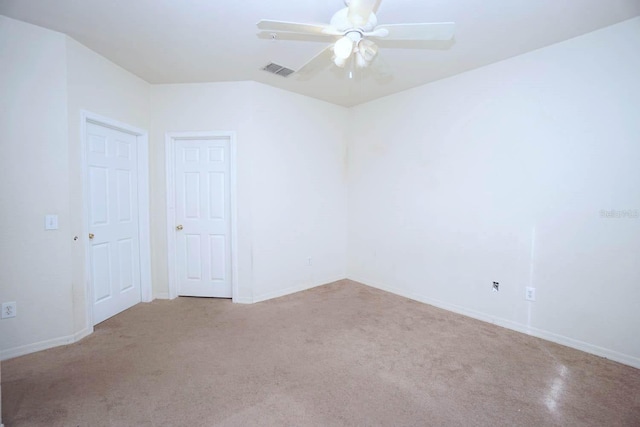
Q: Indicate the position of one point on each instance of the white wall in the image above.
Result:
(51, 78)
(35, 264)
(298, 191)
(291, 182)
(500, 174)
(96, 85)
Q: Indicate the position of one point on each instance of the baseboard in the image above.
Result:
(509, 324)
(82, 334)
(37, 346)
(243, 300)
(161, 295)
(281, 292)
(292, 290)
(44, 345)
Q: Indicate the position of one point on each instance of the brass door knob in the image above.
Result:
(179, 227)
(91, 236)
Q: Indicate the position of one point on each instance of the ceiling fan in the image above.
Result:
(353, 27)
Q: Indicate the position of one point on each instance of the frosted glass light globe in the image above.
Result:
(343, 47)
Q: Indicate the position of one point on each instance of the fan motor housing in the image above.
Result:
(340, 21)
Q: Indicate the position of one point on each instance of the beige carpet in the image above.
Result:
(341, 354)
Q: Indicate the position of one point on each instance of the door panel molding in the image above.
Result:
(144, 236)
(170, 155)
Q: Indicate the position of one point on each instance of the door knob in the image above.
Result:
(91, 236)
(179, 227)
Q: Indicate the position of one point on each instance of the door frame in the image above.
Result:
(144, 235)
(170, 140)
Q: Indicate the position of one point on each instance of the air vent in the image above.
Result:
(277, 69)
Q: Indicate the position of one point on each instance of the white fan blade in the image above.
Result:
(378, 32)
(296, 27)
(319, 61)
(418, 32)
(360, 11)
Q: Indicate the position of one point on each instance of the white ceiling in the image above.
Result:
(186, 41)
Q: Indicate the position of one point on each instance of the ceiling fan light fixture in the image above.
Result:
(340, 62)
(367, 49)
(350, 29)
(343, 48)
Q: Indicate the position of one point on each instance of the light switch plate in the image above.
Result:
(51, 222)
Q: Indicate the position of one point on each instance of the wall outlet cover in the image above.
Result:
(8, 310)
(530, 293)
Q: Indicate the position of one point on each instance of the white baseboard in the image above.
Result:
(281, 292)
(82, 334)
(509, 324)
(37, 346)
(161, 295)
(292, 290)
(243, 300)
(44, 345)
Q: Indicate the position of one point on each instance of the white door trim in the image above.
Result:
(144, 236)
(170, 139)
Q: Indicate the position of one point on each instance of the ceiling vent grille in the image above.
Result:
(277, 69)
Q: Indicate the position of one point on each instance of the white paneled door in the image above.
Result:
(203, 223)
(113, 220)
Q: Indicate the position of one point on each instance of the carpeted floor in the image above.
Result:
(340, 354)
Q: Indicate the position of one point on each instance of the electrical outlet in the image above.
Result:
(530, 293)
(496, 286)
(8, 309)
